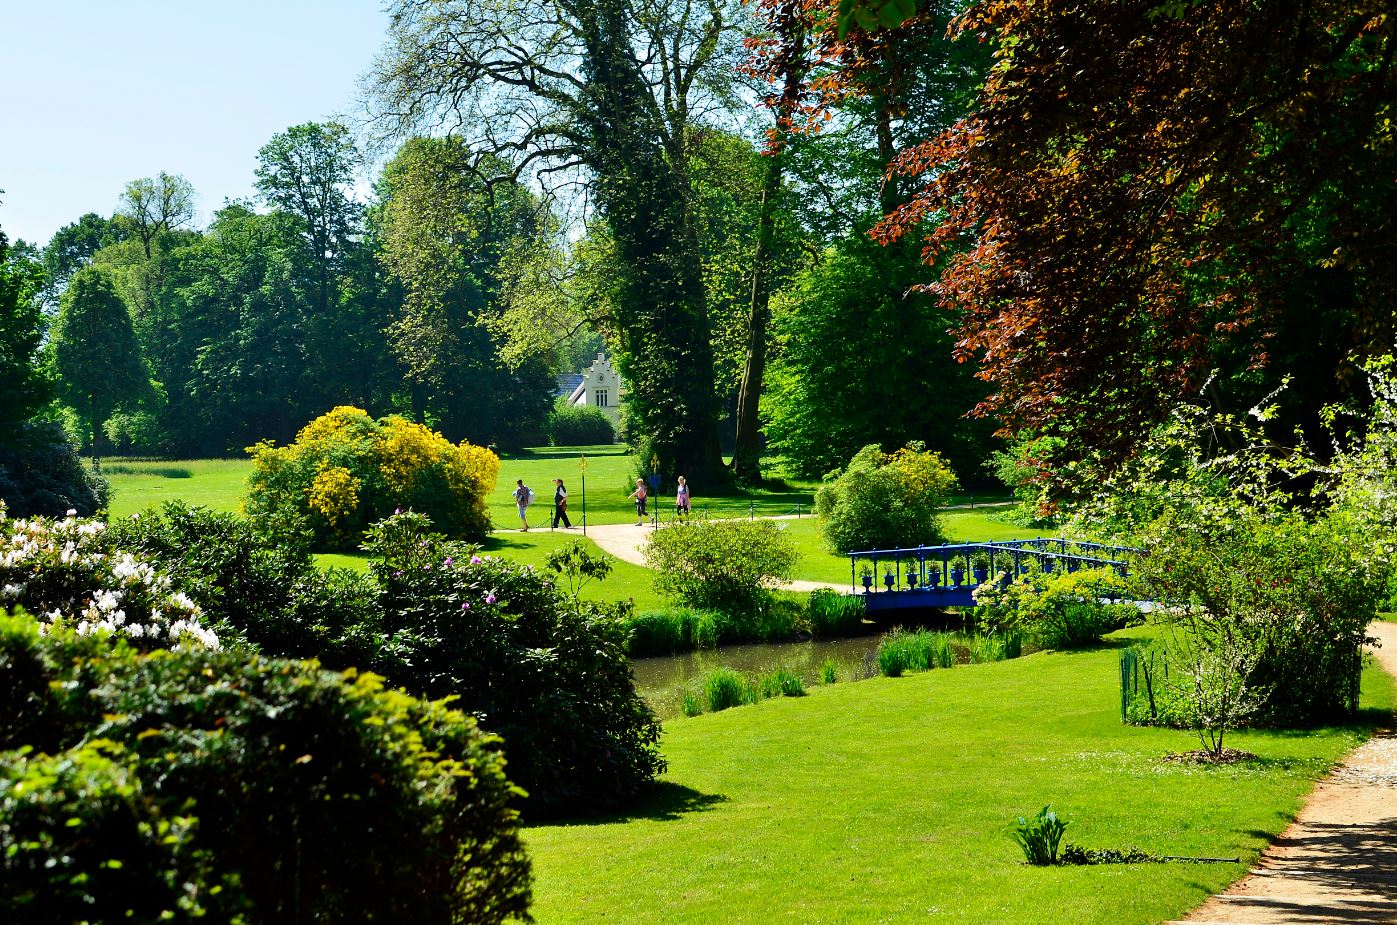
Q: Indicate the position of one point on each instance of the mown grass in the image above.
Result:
(138, 485)
(892, 800)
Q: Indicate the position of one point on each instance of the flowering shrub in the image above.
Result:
(885, 500)
(63, 572)
(547, 674)
(346, 470)
(727, 565)
(214, 785)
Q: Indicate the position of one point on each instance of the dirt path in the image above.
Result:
(1337, 862)
(624, 541)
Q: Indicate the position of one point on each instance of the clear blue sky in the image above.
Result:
(96, 93)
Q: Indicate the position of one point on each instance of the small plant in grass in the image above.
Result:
(725, 688)
(783, 682)
(1040, 836)
(901, 652)
(989, 648)
(691, 705)
(829, 671)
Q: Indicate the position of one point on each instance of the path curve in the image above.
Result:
(1337, 862)
(625, 540)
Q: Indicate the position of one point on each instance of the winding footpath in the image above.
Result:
(1337, 862)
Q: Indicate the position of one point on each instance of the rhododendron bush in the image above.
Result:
(347, 470)
(62, 572)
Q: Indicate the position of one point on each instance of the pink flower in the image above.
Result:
(72, 512)
(489, 598)
(476, 560)
(449, 561)
(465, 606)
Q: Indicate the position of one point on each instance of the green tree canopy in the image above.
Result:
(94, 351)
(23, 387)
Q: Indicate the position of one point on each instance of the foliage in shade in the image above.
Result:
(347, 470)
(579, 425)
(265, 790)
(41, 474)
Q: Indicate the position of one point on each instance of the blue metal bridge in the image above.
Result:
(947, 575)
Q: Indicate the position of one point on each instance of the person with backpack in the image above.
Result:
(523, 496)
(560, 505)
(639, 495)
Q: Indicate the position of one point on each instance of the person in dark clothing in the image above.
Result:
(560, 504)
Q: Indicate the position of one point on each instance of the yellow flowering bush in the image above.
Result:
(347, 470)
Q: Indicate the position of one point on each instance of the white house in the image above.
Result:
(601, 387)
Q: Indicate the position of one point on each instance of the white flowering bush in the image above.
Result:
(63, 572)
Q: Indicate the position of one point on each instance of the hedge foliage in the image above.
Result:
(728, 565)
(886, 500)
(347, 470)
(547, 673)
(231, 788)
(579, 425)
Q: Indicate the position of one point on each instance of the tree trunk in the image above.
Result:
(746, 460)
(661, 316)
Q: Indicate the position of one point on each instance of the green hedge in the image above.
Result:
(236, 788)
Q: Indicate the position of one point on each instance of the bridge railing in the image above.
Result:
(967, 565)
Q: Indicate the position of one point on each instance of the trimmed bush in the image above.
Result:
(244, 789)
(42, 476)
(885, 500)
(579, 425)
(346, 470)
(727, 565)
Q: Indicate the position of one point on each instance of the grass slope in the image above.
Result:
(891, 800)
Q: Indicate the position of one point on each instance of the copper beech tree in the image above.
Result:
(1147, 190)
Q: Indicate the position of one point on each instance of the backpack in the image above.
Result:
(530, 498)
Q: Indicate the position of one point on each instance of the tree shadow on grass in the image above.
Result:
(664, 802)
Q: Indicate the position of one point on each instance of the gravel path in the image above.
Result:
(1337, 863)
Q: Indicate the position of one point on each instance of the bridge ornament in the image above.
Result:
(912, 577)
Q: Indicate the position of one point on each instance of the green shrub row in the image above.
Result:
(226, 787)
(547, 673)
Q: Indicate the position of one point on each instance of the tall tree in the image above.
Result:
(154, 207)
(74, 245)
(1153, 190)
(610, 88)
(445, 234)
(95, 356)
(308, 171)
(23, 387)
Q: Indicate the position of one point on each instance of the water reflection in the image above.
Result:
(663, 680)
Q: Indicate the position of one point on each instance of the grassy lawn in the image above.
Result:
(140, 484)
(532, 548)
(891, 800)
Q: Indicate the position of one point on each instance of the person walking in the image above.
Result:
(682, 502)
(639, 495)
(560, 505)
(523, 497)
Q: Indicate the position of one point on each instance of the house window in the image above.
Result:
(601, 398)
